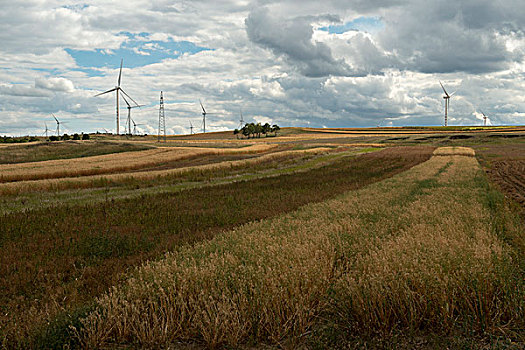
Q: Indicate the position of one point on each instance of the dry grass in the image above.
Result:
(111, 163)
(413, 252)
(455, 150)
(55, 184)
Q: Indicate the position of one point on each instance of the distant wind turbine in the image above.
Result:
(128, 121)
(484, 118)
(135, 126)
(241, 121)
(191, 128)
(447, 102)
(117, 90)
(204, 113)
(58, 125)
(46, 130)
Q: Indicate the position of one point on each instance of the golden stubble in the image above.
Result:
(54, 184)
(112, 163)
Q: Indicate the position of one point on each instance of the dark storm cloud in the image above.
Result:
(292, 39)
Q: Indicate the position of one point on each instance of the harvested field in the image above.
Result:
(111, 163)
(451, 151)
(416, 253)
(55, 184)
(56, 260)
(505, 165)
(41, 151)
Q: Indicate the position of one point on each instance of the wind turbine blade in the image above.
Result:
(125, 100)
(452, 94)
(445, 91)
(120, 73)
(124, 92)
(55, 117)
(203, 110)
(105, 92)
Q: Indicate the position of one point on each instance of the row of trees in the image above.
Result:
(66, 137)
(255, 130)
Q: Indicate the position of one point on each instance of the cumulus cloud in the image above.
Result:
(55, 84)
(292, 39)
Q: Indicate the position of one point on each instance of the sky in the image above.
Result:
(335, 63)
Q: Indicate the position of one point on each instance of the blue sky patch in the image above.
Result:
(137, 51)
(363, 24)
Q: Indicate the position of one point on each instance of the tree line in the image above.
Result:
(252, 130)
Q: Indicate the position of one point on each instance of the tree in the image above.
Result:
(54, 138)
(258, 129)
(275, 128)
(85, 136)
(65, 137)
(76, 136)
(236, 132)
(266, 128)
(251, 129)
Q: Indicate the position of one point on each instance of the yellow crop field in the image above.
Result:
(86, 181)
(112, 163)
(415, 251)
(455, 150)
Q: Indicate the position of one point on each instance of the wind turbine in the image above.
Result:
(135, 126)
(45, 131)
(204, 113)
(241, 121)
(447, 101)
(484, 118)
(58, 125)
(117, 90)
(128, 122)
(191, 128)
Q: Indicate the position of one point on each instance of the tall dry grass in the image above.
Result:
(62, 183)
(455, 150)
(415, 252)
(112, 163)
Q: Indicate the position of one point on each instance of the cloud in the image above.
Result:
(55, 84)
(292, 39)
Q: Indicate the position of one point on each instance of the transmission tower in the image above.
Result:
(162, 119)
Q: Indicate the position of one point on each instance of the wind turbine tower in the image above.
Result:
(191, 128)
(162, 119)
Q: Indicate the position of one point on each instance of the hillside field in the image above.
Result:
(314, 238)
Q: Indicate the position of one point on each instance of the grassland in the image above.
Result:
(413, 253)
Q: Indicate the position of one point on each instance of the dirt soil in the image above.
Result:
(505, 165)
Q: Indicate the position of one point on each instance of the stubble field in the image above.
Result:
(303, 241)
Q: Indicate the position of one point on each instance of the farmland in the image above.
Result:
(314, 238)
